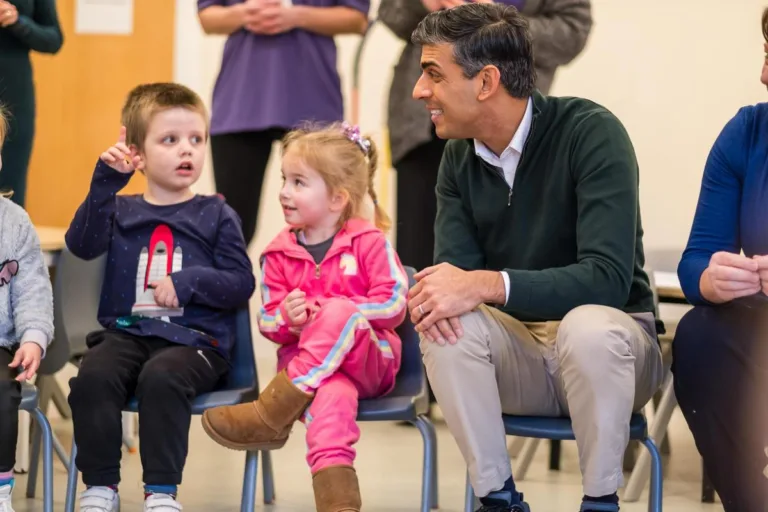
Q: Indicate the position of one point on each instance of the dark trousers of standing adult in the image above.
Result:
(721, 382)
(164, 376)
(239, 165)
(10, 398)
(417, 206)
(17, 148)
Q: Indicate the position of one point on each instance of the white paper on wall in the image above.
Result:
(112, 17)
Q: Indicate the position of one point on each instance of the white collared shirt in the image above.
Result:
(509, 159)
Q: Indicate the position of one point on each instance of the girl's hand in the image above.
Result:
(119, 157)
(295, 305)
(28, 356)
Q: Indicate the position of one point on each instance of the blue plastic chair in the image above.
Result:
(409, 401)
(81, 282)
(29, 398)
(240, 386)
(560, 429)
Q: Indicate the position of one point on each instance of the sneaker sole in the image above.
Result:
(241, 447)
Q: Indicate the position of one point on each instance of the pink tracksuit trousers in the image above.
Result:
(340, 359)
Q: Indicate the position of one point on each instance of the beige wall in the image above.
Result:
(674, 71)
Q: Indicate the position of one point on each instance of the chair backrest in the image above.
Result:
(411, 356)
(243, 372)
(76, 294)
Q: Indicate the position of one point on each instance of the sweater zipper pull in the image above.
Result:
(509, 198)
(317, 271)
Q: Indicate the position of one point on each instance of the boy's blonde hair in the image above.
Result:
(146, 100)
(346, 162)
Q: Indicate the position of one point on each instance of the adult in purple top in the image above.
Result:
(278, 71)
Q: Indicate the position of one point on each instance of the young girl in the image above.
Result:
(26, 322)
(333, 291)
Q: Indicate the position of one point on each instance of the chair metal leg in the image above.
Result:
(429, 499)
(554, 454)
(657, 432)
(656, 487)
(34, 460)
(268, 477)
(47, 437)
(525, 458)
(469, 496)
(60, 452)
(69, 504)
(515, 446)
(248, 503)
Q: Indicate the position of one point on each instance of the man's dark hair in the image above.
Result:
(482, 35)
(765, 24)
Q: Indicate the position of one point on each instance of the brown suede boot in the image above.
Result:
(336, 489)
(261, 425)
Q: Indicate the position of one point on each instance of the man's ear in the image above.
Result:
(490, 81)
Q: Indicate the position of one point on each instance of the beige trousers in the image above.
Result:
(597, 366)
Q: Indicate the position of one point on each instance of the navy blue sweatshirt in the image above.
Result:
(199, 243)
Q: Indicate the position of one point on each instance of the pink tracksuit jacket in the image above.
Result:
(348, 349)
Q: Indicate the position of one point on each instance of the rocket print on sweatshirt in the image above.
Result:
(155, 263)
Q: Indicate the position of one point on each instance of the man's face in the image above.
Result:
(451, 98)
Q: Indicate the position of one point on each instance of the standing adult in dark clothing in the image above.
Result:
(25, 26)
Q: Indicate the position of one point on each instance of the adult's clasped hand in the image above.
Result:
(441, 295)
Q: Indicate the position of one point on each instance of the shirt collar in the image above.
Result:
(517, 142)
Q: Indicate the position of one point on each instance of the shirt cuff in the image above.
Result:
(35, 336)
(505, 277)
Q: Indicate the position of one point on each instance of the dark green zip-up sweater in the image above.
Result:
(569, 234)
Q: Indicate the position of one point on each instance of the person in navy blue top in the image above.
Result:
(176, 272)
(721, 345)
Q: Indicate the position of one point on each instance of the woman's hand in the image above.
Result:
(730, 276)
(9, 15)
(268, 17)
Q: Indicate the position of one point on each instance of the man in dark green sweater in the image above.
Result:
(538, 303)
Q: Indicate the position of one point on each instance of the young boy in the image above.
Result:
(176, 272)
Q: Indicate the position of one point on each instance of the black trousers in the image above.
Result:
(10, 398)
(721, 382)
(417, 204)
(239, 164)
(164, 376)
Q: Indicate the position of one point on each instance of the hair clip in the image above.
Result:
(352, 132)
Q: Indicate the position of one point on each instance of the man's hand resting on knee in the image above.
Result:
(443, 293)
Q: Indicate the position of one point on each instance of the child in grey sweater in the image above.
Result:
(26, 323)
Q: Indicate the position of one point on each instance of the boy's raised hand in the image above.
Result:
(119, 157)
(28, 355)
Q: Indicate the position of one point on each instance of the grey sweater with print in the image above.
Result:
(26, 298)
(559, 29)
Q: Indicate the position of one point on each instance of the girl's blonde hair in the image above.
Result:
(347, 162)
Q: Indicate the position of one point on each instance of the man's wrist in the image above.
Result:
(490, 287)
